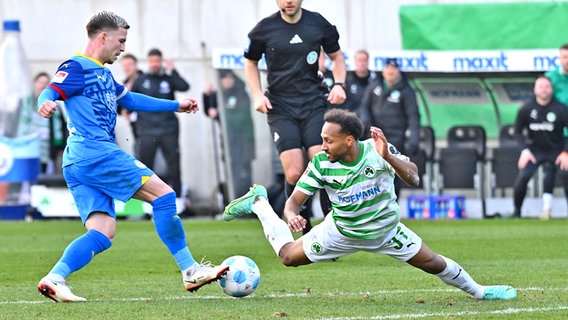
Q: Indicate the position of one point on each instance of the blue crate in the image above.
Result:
(15, 212)
(436, 207)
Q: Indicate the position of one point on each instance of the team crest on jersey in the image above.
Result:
(378, 90)
(354, 89)
(316, 247)
(551, 117)
(312, 57)
(231, 102)
(59, 77)
(394, 96)
(369, 172)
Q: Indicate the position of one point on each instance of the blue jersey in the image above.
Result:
(90, 94)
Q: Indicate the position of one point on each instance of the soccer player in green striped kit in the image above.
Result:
(358, 177)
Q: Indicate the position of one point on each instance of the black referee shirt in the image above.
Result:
(291, 52)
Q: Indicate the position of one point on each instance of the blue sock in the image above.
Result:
(80, 252)
(169, 228)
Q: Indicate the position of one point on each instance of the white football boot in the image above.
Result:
(201, 274)
(57, 291)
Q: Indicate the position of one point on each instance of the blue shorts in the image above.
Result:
(95, 184)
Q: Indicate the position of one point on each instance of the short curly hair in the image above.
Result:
(348, 120)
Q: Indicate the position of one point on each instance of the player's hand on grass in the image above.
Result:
(297, 223)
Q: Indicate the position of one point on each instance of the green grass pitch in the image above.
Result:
(137, 278)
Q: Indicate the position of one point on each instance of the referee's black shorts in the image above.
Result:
(295, 128)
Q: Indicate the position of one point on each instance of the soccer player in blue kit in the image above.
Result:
(97, 170)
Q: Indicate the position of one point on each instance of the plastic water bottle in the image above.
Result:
(16, 95)
(16, 105)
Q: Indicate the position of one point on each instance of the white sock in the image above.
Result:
(55, 278)
(547, 201)
(456, 276)
(275, 229)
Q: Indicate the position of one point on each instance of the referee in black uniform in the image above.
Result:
(290, 40)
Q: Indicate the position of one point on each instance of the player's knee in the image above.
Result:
(524, 177)
(288, 261)
(293, 176)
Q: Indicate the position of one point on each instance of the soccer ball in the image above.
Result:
(242, 278)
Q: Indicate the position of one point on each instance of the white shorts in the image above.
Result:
(325, 242)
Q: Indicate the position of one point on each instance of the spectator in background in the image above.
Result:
(29, 122)
(389, 103)
(239, 128)
(160, 130)
(544, 119)
(559, 76)
(129, 64)
(53, 136)
(291, 40)
(358, 80)
(51, 132)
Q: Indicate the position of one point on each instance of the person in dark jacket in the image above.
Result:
(389, 103)
(160, 130)
(238, 127)
(358, 80)
(544, 119)
(129, 64)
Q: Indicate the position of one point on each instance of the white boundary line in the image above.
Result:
(453, 314)
(292, 295)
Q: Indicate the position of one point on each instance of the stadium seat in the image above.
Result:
(461, 164)
(504, 168)
(424, 159)
(428, 147)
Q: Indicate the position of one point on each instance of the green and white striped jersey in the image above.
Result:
(361, 193)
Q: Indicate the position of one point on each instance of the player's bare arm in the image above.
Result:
(406, 170)
(337, 94)
(296, 222)
(252, 75)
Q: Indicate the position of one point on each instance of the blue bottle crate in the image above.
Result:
(436, 207)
